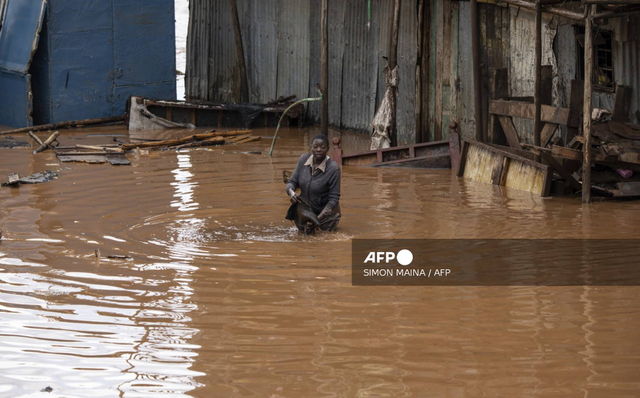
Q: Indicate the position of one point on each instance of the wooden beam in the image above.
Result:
(454, 146)
(564, 173)
(463, 158)
(588, 76)
(527, 111)
(510, 131)
(566, 153)
(537, 100)
(547, 132)
(475, 51)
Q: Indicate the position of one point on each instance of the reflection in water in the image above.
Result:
(167, 336)
(223, 298)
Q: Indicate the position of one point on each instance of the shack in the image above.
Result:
(282, 53)
(441, 81)
(75, 59)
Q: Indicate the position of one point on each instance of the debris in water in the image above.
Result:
(10, 143)
(37, 178)
(52, 141)
(120, 256)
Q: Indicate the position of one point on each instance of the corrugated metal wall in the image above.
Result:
(281, 41)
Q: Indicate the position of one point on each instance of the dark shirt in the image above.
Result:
(320, 190)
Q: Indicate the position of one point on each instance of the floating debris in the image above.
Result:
(10, 143)
(120, 256)
(37, 178)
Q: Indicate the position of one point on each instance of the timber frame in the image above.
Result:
(536, 111)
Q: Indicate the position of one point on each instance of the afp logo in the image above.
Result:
(404, 257)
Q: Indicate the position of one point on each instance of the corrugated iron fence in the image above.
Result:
(281, 41)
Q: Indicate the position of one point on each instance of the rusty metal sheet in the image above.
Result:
(407, 37)
(466, 105)
(337, 11)
(19, 35)
(360, 67)
(261, 48)
(18, 42)
(293, 48)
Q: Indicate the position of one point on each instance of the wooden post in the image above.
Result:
(393, 62)
(324, 67)
(537, 94)
(337, 151)
(244, 84)
(454, 146)
(475, 50)
(418, 105)
(588, 83)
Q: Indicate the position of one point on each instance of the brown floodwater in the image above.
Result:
(223, 298)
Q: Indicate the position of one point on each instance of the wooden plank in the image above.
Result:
(566, 153)
(547, 132)
(92, 159)
(564, 173)
(454, 147)
(510, 131)
(527, 111)
(463, 158)
(520, 152)
(506, 153)
(118, 160)
(587, 106)
(496, 174)
(169, 113)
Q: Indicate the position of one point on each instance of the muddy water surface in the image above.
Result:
(222, 298)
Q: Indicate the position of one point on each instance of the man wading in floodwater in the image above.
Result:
(318, 177)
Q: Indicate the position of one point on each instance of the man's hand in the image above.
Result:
(293, 197)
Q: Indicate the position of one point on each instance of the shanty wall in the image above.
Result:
(281, 40)
(508, 41)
